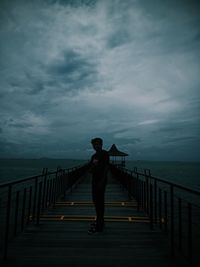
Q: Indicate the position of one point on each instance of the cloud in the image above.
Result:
(73, 72)
(148, 122)
(179, 139)
(125, 70)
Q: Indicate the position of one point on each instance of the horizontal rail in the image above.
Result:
(148, 175)
(173, 208)
(18, 181)
(23, 200)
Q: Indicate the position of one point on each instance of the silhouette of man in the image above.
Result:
(99, 167)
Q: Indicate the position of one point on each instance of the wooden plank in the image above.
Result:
(66, 242)
(55, 243)
(89, 203)
(132, 219)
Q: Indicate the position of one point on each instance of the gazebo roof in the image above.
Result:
(115, 152)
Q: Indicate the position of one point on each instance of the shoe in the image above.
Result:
(93, 224)
(94, 230)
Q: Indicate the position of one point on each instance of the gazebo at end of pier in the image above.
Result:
(117, 156)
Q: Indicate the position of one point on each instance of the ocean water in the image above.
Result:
(12, 169)
(184, 173)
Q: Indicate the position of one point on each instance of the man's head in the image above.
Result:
(97, 143)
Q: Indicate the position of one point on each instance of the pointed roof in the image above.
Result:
(115, 152)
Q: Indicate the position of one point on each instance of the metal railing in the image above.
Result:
(22, 201)
(174, 208)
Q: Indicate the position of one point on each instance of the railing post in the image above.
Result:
(16, 213)
(172, 219)
(64, 184)
(7, 226)
(44, 187)
(190, 232)
(54, 191)
(135, 183)
(147, 195)
(165, 212)
(50, 191)
(39, 204)
(138, 192)
(151, 206)
(56, 186)
(155, 201)
(23, 210)
(29, 205)
(180, 223)
(142, 194)
(129, 185)
(47, 194)
(35, 198)
(160, 208)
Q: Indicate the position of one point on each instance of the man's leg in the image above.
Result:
(92, 228)
(100, 211)
(98, 200)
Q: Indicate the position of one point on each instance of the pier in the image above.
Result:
(149, 222)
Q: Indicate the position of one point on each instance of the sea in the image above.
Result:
(13, 169)
(179, 172)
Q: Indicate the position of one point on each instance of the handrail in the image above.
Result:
(189, 190)
(168, 208)
(22, 200)
(35, 176)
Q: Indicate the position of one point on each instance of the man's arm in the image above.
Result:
(105, 167)
(107, 163)
(91, 165)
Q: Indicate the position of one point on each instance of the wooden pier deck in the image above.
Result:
(61, 239)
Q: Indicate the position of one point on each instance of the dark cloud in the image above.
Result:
(118, 38)
(168, 129)
(127, 71)
(179, 139)
(128, 140)
(20, 125)
(36, 85)
(74, 3)
(73, 70)
(70, 63)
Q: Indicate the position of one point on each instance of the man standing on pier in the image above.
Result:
(99, 167)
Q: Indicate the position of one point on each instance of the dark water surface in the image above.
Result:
(185, 173)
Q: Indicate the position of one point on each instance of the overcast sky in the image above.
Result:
(127, 71)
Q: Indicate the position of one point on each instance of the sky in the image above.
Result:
(126, 71)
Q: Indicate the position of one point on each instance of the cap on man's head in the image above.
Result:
(97, 140)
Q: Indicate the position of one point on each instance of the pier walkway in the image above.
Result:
(61, 238)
